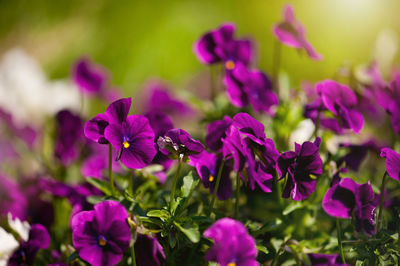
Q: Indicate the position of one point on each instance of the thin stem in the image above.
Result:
(381, 202)
(339, 236)
(133, 255)
(178, 170)
(237, 195)
(217, 183)
(110, 173)
(317, 121)
(130, 182)
(278, 189)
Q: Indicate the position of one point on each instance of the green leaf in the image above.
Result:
(162, 214)
(175, 205)
(94, 199)
(188, 185)
(292, 207)
(73, 257)
(262, 249)
(100, 184)
(190, 230)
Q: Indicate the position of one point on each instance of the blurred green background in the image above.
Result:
(137, 40)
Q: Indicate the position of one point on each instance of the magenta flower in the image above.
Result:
(291, 32)
(347, 197)
(216, 131)
(102, 235)
(148, 251)
(133, 139)
(116, 113)
(38, 239)
(389, 100)
(392, 163)
(12, 199)
(89, 77)
(252, 87)
(232, 244)
(220, 46)
(303, 166)
(357, 153)
(207, 166)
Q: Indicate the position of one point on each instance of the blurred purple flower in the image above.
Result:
(252, 87)
(216, 131)
(291, 32)
(220, 46)
(148, 251)
(392, 163)
(102, 235)
(357, 153)
(389, 99)
(12, 199)
(325, 259)
(347, 197)
(303, 166)
(207, 166)
(116, 113)
(38, 239)
(89, 77)
(69, 135)
(133, 139)
(232, 244)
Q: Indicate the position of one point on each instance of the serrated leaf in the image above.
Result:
(292, 207)
(190, 230)
(100, 184)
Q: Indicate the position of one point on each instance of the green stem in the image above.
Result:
(130, 183)
(339, 236)
(237, 195)
(213, 89)
(110, 173)
(217, 183)
(178, 170)
(133, 255)
(278, 189)
(381, 202)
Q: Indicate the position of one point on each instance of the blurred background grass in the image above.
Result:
(137, 40)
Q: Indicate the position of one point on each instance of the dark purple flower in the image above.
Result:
(134, 140)
(252, 87)
(148, 251)
(177, 143)
(220, 46)
(232, 244)
(12, 199)
(207, 166)
(38, 239)
(357, 153)
(291, 33)
(258, 172)
(69, 136)
(342, 102)
(325, 259)
(316, 110)
(392, 163)
(235, 148)
(250, 128)
(216, 131)
(89, 78)
(389, 99)
(102, 235)
(303, 166)
(116, 113)
(348, 197)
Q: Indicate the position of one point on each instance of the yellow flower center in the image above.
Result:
(229, 65)
(211, 178)
(126, 144)
(102, 241)
(232, 264)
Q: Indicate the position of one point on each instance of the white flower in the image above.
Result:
(303, 132)
(22, 228)
(8, 245)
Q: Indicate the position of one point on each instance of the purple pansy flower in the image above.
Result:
(303, 166)
(392, 163)
(357, 153)
(220, 46)
(216, 131)
(102, 235)
(148, 251)
(252, 87)
(234, 147)
(232, 244)
(116, 113)
(69, 136)
(134, 140)
(89, 78)
(207, 166)
(177, 143)
(38, 239)
(325, 259)
(12, 199)
(389, 99)
(348, 197)
(292, 33)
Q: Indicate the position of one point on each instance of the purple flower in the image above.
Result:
(207, 166)
(216, 131)
(235, 148)
(311, 111)
(342, 102)
(357, 153)
(89, 78)
(134, 140)
(291, 33)
(148, 251)
(177, 143)
(102, 235)
(259, 173)
(69, 136)
(348, 197)
(12, 199)
(252, 87)
(38, 239)
(325, 259)
(389, 99)
(392, 163)
(232, 244)
(116, 113)
(303, 166)
(220, 46)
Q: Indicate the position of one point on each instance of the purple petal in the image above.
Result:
(118, 111)
(392, 163)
